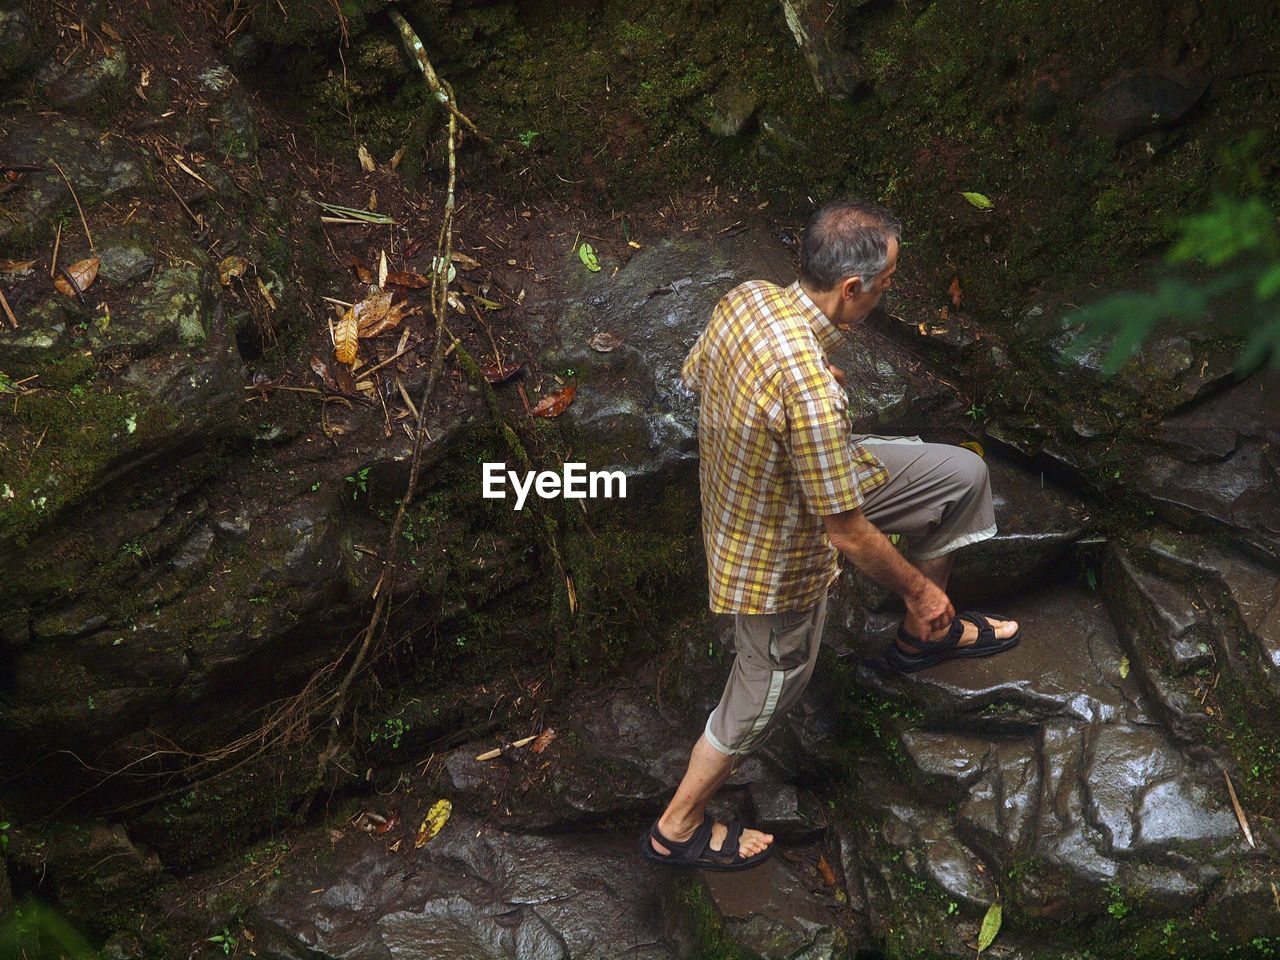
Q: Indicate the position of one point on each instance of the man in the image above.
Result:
(785, 490)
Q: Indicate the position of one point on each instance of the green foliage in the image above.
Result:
(359, 482)
(34, 930)
(1239, 241)
(225, 940)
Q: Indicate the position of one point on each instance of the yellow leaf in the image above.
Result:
(231, 267)
(366, 160)
(82, 273)
(435, 820)
(975, 446)
(345, 337)
(990, 927)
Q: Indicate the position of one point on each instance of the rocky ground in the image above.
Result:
(196, 498)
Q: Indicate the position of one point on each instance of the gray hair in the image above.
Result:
(846, 238)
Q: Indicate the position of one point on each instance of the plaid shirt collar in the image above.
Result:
(827, 333)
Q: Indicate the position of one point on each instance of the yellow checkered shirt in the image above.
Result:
(775, 449)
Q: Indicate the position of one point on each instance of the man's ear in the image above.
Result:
(850, 287)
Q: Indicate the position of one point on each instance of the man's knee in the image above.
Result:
(970, 469)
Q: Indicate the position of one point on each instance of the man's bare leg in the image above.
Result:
(708, 770)
(938, 569)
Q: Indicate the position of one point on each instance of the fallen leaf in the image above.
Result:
(828, 874)
(975, 446)
(229, 268)
(346, 335)
(407, 279)
(81, 276)
(366, 160)
(16, 266)
(465, 262)
(957, 297)
(435, 820)
(377, 314)
(554, 404)
(266, 294)
(489, 755)
(1124, 667)
(604, 342)
(500, 374)
(977, 200)
(587, 254)
(321, 370)
(389, 824)
(382, 268)
(453, 271)
(990, 927)
(543, 740)
(396, 157)
(111, 31)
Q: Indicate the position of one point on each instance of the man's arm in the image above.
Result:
(871, 552)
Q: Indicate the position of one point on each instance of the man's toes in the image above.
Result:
(1007, 629)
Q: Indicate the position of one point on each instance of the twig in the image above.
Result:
(57, 245)
(413, 46)
(83, 222)
(8, 311)
(1235, 803)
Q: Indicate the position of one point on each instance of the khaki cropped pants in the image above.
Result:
(937, 499)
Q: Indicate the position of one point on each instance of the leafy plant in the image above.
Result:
(393, 728)
(4, 834)
(1239, 241)
(225, 940)
(527, 137)
(359, 482)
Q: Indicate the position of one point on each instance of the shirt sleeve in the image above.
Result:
(689, 371)
(817, 439)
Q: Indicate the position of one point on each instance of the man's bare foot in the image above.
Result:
(1004, 630)
(750, 843)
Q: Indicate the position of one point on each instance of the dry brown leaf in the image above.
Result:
(321, 370)
(389, 824)
(111, 32)
(465, 262)
(346, 334)
(382, 267)
(554, 404)
(604, 342)
(828, 874)
(957, 297)
(82, 274)
(16, 266)
(379, 315)
(408, 279)
(499, 374)
(366, 160)
(231, 267)
(396, 158)
(544, 740)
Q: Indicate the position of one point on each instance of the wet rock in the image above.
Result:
(1220, 463)
(772, 913)
(1067, 665)
(472, 892)
(1037, 525)
(17, 40)
(101, 170)
(236, 128)
(96, 88)
(784, 811)
(1139, 101)
(125, 262)
(730, 111)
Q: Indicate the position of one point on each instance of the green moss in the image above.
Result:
(710, 939)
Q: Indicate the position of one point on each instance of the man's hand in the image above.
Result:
(871, 552)
(931, 607)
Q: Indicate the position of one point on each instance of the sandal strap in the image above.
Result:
(690, 849)
(986, 632)
(953, 635)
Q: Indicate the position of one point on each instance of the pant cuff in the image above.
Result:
(715, 742)
(962, 541)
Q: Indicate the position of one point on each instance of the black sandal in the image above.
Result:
(697, 852)
(946, 648)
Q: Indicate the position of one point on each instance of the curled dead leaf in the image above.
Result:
(16, 266)
(366, 159)
(543, 740)
(78, 277)
(828, 874)
(554, 404)
(465, 262)
(407, 279)
(229, 268)
(499, 374)
(604, 342)
(957, 296)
